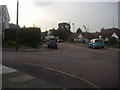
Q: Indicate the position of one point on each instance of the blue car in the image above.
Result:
(96, 43)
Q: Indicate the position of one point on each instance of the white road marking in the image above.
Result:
(72, 76)
(90, 83)
(4, 69)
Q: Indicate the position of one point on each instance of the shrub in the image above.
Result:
(112, 41)
(11, 43)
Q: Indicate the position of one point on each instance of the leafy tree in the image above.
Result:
(54, 32)
(64, 31)
(64, 25)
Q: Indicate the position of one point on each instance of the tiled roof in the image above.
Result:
(105, 33)
(75, 35)
(88, 35)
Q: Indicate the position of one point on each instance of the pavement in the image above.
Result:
(12, 78)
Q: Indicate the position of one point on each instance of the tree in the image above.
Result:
(64, 25)
(64, 31)
(54, 32)
(79, 30)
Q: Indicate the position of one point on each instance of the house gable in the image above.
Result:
(80, 36)
(111, 32)
(114, 35)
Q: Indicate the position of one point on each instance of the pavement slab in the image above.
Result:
(12, 78)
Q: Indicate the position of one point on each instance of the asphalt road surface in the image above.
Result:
(69, 66)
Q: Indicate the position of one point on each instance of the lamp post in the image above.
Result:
(17, 25)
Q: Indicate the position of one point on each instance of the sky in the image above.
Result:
(46, 14)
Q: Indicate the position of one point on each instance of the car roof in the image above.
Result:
(95, 39)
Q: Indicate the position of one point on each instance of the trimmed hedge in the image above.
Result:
(25, 35)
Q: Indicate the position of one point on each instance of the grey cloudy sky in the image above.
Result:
(47, 15)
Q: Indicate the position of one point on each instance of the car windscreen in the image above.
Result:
(52, 41)
(98, 40)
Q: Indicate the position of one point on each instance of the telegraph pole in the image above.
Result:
(17, 25)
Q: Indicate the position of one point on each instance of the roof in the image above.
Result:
(88, 35)
(75, 35)
(105, 33)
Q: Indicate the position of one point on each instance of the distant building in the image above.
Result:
(4, 19)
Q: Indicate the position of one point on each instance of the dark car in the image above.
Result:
(52, 44)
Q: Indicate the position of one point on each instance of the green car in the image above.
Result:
(96, 43)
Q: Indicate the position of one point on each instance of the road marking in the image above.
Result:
(90, 83)
(4, 69)
(72, 76)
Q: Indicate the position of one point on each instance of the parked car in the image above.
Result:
(52, 44)
(96, 43)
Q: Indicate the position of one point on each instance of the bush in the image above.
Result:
(11, 43)
(112, 41)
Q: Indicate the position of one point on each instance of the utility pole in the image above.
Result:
(17, 25)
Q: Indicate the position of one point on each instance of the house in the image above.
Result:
(90, 36)
(4, 19)
(81, 37)
(76, 36)
(111, 32)
(49, 35)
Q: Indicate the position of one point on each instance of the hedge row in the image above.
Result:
(25, 35)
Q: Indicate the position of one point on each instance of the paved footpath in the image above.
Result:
(12, 78)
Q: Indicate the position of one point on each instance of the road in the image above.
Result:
(97, 67)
